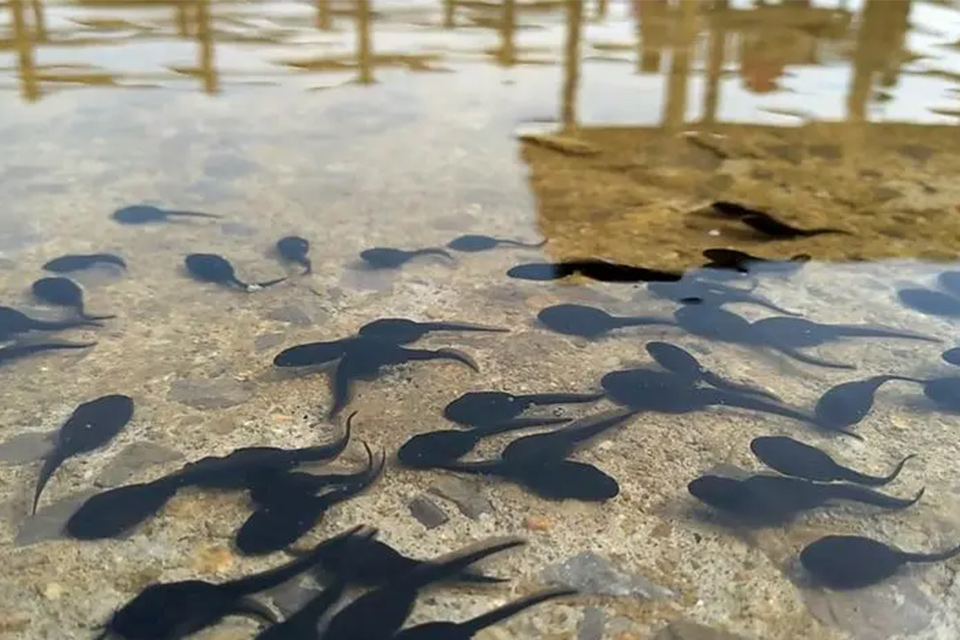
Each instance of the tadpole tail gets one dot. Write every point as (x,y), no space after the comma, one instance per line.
(443,354)
(526,245)
(341,388)
(767,304)
(479,467)
(819,231)
(452,564)
(461,326)
(89,320)
(802,357)
(251,608)
(273,577)
(723,384)
(639,321)
(432,251)
(192,214)
(756,404)
(311,353)
(19,351)
(875,481)
(561,398)
(878,332)
(930,557)
(44,325)
(869,496)
(50,464)
(328,451)
(484,430)
(592,426)
(257,286)
(475,577)
(484,620)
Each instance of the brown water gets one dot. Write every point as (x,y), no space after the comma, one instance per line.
(605,128)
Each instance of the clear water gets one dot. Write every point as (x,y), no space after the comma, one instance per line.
(604,128)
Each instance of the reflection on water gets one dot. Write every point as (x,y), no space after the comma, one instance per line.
(395,236)
(765,46)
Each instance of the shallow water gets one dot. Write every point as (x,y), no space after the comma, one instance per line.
(604,128)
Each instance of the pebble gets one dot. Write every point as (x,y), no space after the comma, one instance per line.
(427,512)
(292,314)
(48,522)
(26,447)
(592,625)
(466,495)
(134,457)
(53,591)
(210,394)
(592,574)
(898,608)
(534,523)
(687,630)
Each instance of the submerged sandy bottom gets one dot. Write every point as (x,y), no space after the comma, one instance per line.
(409,163)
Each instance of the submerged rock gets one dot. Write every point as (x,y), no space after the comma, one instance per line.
(466,495)
(592,625)
(48,522)
(686,630)
(891,609)
(133,458)
(427,512)
(26,447)
(593,574)
(210,394)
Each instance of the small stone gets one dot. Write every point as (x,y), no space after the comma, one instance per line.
(534,523)
(210,394)
(134,457)
(466,495)
(897,608)
(48,522)
(427,512)
(291,314)
(686,630)
(26,447)
(592,574)
(592,625)
(52,591)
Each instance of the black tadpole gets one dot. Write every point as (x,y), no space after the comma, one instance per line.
(295,249)
(209,267)
(793,458)
(473,243)
(391,258)
(70,263)
(63,292)
(853,562)
(144,214)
